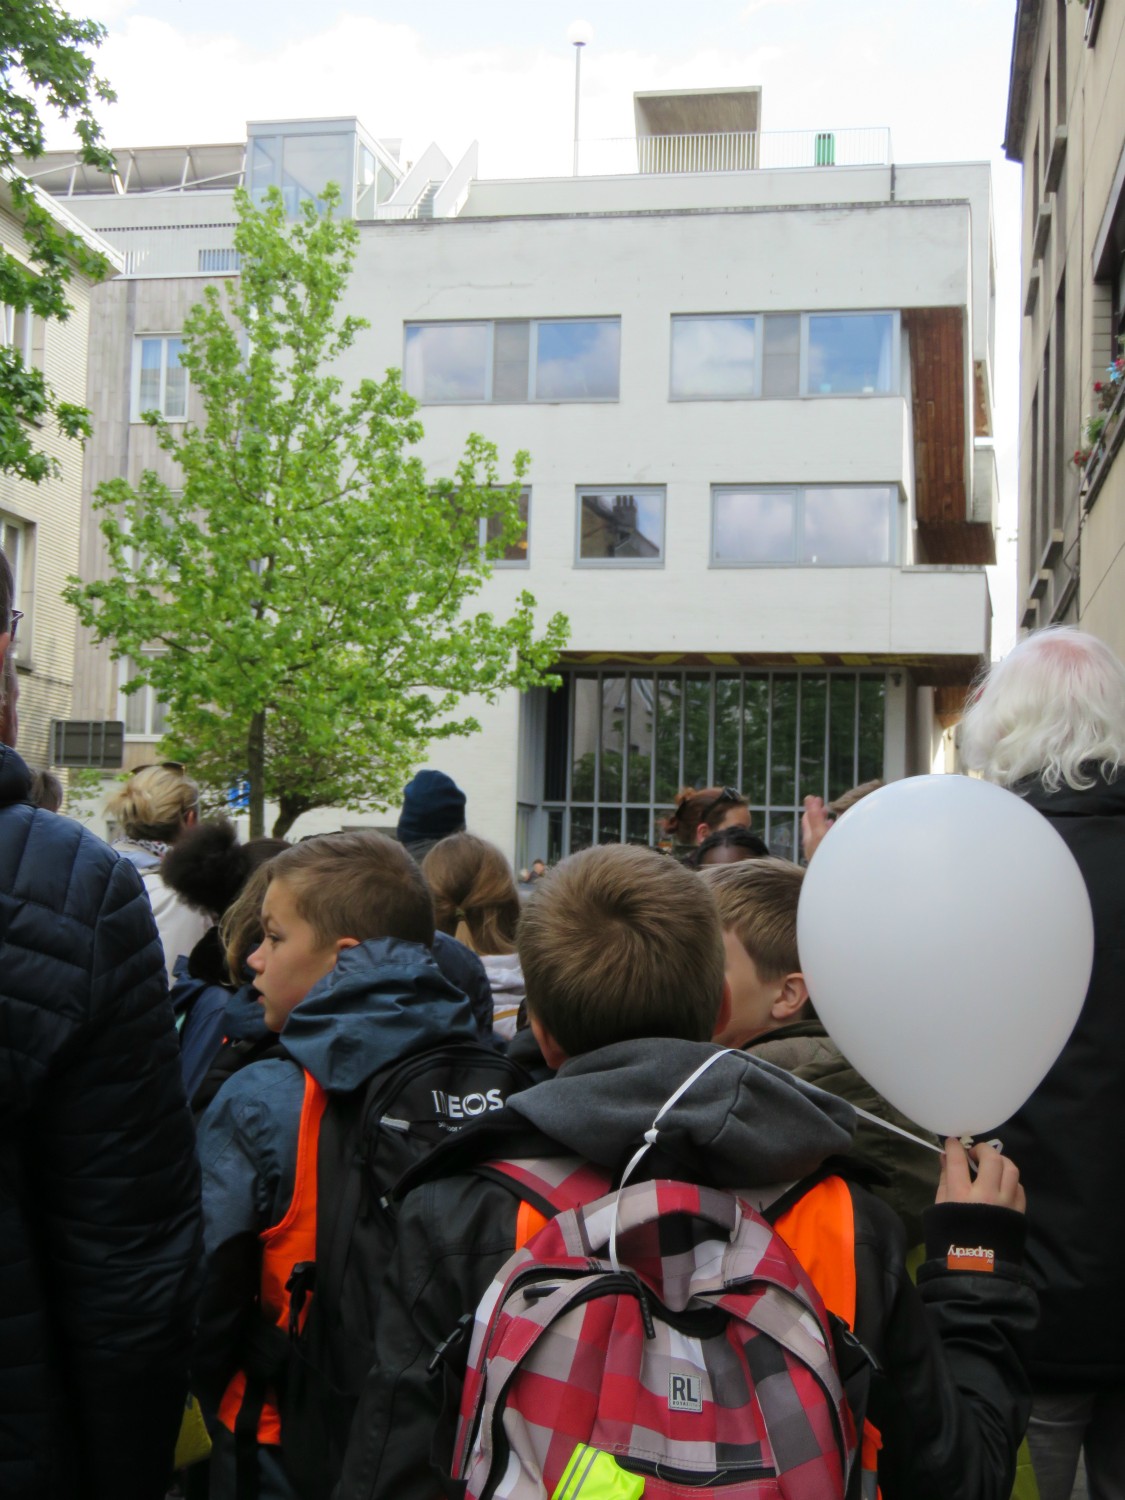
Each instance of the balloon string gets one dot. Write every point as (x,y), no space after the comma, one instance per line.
(898,1130)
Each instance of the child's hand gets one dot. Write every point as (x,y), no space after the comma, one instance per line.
(815,823)
(997,1180)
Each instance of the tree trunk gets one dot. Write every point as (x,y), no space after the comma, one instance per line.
(289,810)
(256,772)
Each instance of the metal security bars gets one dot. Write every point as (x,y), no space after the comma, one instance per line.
(620,744)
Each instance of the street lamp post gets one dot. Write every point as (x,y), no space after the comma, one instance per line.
(579,34)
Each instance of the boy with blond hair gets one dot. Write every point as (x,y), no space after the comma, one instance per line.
(345,974)
(623,955)
(773,1018)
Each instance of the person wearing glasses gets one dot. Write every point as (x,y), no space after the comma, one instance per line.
(100,1223)
(153,809)
(699,814)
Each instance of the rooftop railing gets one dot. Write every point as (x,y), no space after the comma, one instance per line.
(736,151)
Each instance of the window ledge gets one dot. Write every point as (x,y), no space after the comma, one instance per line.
(1042,230)
(1032,296)
(1056,159)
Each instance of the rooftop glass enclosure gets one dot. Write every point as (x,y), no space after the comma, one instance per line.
(300,157)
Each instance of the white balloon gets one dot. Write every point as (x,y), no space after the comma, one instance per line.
(946,936)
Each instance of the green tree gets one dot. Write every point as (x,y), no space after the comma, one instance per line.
(301,600)
(43,58)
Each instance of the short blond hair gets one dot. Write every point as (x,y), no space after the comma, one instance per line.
(619,943)
(757,901)
(154,802)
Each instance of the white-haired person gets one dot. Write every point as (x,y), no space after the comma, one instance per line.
(1048,722)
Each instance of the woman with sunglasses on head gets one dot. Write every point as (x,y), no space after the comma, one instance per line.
(699,814)
(153,808)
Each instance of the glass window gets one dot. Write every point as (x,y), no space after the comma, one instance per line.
(848,524)
(447,361)
(829,526)
(160,382)
(17,537)
(145,715)
(509,361)
(311,162)
(617,527)
(781,355)
(714,358)
(778,736)
(265,165)
(754,526)
(850,353)
(577,361)
(516,550)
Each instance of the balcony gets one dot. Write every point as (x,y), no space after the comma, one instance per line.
(735,151)
(175,249)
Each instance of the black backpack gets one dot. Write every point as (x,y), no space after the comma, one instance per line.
(368,1139)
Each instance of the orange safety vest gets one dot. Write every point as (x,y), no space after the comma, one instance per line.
(820,1230)
(291,1240)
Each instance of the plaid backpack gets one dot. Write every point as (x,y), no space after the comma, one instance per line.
(660,1339)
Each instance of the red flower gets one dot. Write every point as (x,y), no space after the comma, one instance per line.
(1098,385)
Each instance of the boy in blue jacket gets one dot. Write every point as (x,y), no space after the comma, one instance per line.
(345,973)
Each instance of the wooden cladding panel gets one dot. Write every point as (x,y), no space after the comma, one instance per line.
(937,367)
(970,543)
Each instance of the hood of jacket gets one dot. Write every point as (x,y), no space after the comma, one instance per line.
(751,1123)
(1105,799)
(384,1000)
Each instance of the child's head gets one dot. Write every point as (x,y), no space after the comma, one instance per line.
(475,898)
(757,903)
(618,943)
(697,814)
(727,847)
(327,894)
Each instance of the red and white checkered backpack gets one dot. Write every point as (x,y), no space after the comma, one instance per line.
(662,1333)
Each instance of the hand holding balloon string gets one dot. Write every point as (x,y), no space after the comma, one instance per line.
(997,1179)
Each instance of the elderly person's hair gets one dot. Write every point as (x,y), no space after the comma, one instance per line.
(153,803)
(46,791)
(1054,709)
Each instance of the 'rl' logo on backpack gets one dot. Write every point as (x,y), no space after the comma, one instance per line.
(696,1352)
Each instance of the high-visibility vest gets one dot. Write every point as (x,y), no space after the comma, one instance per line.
(290,1241)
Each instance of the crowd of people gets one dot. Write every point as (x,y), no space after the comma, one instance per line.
(358,1168)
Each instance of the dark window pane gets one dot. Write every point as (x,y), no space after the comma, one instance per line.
(783,740)
(516,550)
(618,527)
(609,825)
(848,524)
(755,731)
(636,826)
(814,716)
(511,342)
(670,689)
(781,370)
(558,743)
(728,719)
(755,526)
(872,710)
(841,736)
(577,361)
(584,750)
(554,835)
(581,828)
(713,358)
(850,353)
(613,738)
(697,730)
(641,717)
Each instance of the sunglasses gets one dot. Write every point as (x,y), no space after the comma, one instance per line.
(13,628)
(728,794)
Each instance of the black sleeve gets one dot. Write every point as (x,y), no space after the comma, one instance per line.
(953,1398)
(117,1173)
(453,1237)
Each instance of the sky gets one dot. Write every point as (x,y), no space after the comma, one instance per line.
(501,72)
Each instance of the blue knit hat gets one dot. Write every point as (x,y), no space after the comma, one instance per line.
(433,805)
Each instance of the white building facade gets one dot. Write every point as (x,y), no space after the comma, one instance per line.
(757,400)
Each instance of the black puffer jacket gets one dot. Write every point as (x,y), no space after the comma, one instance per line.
(99,1188)
(1069,1138)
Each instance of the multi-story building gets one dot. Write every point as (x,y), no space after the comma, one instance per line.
(1066,124)
(754,375)
(40,523)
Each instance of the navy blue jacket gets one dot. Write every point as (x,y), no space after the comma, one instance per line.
(99,1188)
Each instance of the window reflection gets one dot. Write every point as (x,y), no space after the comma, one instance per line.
(755,526)
(447,361)
(849,524)
(616,527)
(577,361)
(850,353)
(713,358)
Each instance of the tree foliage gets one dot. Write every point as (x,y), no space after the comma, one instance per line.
(44,58)
(306,588)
